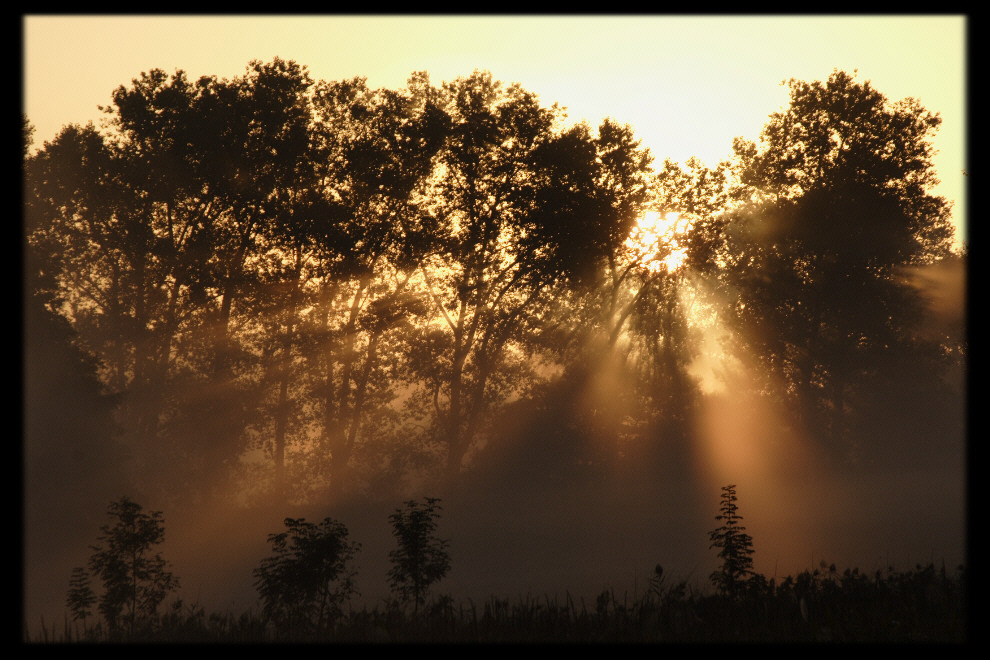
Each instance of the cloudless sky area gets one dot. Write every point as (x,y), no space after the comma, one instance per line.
(687,84)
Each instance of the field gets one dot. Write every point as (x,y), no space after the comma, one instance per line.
(923,605)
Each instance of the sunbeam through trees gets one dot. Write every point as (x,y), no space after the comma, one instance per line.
(273,295)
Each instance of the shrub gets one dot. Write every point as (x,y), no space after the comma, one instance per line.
(305,582)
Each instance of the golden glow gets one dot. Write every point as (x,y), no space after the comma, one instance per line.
(655,241)
(73,63)
(745,440)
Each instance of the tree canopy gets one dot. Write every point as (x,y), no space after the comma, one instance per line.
(307,287)
(834,206)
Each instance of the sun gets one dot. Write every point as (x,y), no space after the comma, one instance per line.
(656,242)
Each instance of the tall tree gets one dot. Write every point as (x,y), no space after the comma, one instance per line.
(595,189)
(213,160)
(148,233)
(485,272)
(372,148)
(835,202)
(610,233)
(80,250)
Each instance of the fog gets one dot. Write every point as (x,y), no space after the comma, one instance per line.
(523,523)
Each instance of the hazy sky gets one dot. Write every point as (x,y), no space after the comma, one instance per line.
(687,85)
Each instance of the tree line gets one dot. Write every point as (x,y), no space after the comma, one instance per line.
(318,287)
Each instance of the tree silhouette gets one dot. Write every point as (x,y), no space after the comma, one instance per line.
(518,207)
(597,188)
(480,283)
(421,558)
(351,284)
(836,203)
(149,235)
(80,597)
(306,581)
(373,148)
(134,581)
(734,544)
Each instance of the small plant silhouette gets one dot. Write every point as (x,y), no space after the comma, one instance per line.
(80,597)
(135,582)
(305,582)
(421,558)
(735,546)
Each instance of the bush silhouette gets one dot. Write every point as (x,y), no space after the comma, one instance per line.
(305,582)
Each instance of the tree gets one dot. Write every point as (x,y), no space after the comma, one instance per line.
(150,235)
(832,206)
(515,209)
(593,189)
(306,581)
(135,582)
(734,544)
(610,280)
(626,241)
(373,149)
(620,185)
(421,558)
(27,135)
(480,279)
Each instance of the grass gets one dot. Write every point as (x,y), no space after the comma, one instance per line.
(924,605)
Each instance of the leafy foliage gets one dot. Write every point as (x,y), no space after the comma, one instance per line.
(263,261)
(135,582)
(832,204)
(80,597)
(734,544)
(306,581)
(421,558)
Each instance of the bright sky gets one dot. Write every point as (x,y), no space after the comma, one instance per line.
(687,84)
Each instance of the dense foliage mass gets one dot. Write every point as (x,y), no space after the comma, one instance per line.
(299,288)
(834,209)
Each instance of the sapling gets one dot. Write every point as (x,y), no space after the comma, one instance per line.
(421,558)
(135,581)
(734,544)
